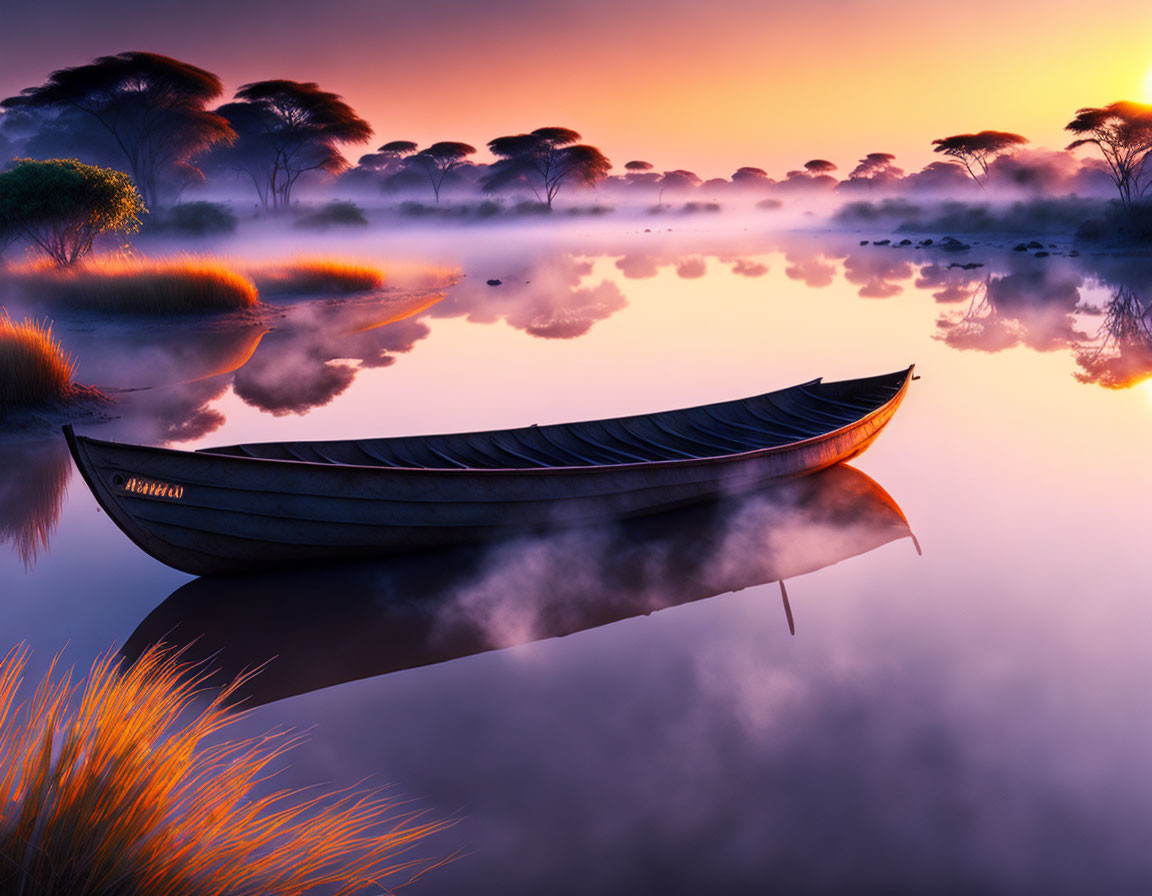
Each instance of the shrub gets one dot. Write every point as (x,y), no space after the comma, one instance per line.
(529,207)
(317,275)
(123,785)
(340,213)
(33,367)
(62,205)
(162,287)
(414,209)
(199,219)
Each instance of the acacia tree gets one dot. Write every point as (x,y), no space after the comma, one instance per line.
(977,151)
(1122,132)
(441,158)
(751,176)
(639,173)
(819,167)
(875,169)
(545,160)
(153,106)
(679,180)
(386,157)
(397,148)
(62,205)
(285,129)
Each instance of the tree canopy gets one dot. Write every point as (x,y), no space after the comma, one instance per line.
(818,167)
(398,148)
(155,108)
(749,175)
(62,205)
(1122,132)
(441,158)
(544,161)
(977,151)
(286,128)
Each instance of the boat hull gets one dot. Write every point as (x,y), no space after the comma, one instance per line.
(207,513)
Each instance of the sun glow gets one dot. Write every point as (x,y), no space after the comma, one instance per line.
(1147,92)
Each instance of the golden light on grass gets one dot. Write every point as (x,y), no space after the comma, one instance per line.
(306,276)
(118,285)
(122,784)
(33,367)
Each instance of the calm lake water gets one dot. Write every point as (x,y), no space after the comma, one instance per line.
(972,719)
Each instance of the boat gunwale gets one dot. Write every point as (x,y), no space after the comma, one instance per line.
(539,471)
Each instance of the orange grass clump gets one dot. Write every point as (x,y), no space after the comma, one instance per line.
(33,366)
(142,286)
(121,784)
(306,276)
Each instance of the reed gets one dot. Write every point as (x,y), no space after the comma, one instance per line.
(308,276)
(142,286)
(33,367)
(125,784)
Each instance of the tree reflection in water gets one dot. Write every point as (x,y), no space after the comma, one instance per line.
(1121,354)
(1035,309)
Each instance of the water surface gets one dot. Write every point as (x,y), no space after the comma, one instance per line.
(972,719)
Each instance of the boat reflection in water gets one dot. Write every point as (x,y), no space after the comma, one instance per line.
(315,628)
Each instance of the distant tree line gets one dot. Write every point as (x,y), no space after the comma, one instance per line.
(156,119)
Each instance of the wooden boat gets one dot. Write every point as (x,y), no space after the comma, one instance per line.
(316,628)
(263,506)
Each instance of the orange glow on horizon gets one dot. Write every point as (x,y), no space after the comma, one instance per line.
(770,85)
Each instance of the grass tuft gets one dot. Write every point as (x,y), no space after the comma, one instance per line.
(122,784)
(142,286)
(33,367)
(306,276)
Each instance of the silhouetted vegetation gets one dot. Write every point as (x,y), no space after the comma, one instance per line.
(439,159)
(875,171)
(1123,133)
(1039,216)
(977,151)
(544,161)
(286,128)
(1118,226)
(198,219)
(152,105)
(338,213)
(62,205)
(148,113)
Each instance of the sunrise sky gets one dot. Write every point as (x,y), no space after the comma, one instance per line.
(706,86)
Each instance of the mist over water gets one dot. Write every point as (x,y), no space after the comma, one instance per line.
(970,720)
